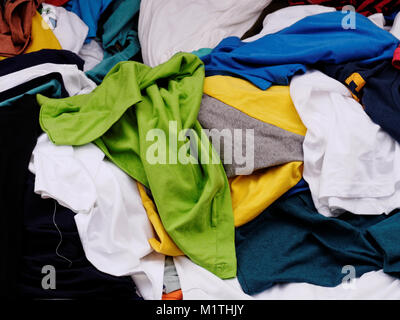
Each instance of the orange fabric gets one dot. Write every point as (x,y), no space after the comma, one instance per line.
(174,295)
(359,82)
(42,37)
(16,26)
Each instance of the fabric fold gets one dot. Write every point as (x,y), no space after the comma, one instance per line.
(134,102)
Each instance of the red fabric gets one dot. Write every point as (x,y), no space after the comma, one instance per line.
(365,7)
(58,3)
(396,58)
(16,26)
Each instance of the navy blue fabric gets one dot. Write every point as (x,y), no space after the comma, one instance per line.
(19,129)
(291,242)
(301,186)
(32,59)
(77,279)
(380,96)
(50,85)
(275,58)
(389,19)
(29,238)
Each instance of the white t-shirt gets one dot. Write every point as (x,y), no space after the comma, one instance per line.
(75,81)
(198,283)
(285,17)
(170,26)
(350,163)
(68,28)
(111,220)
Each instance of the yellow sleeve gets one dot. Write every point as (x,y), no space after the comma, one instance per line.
(273,106)
(163,243)
(252,194)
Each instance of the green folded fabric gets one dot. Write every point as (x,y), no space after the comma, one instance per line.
(193,199)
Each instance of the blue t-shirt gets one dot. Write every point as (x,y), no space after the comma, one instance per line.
(321,38)
(89,11)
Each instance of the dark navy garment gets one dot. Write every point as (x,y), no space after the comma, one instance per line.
(50,85)
(76,277)
(377,87)
(29,237)
(291,242)
(32,59)
(301,186)
(19,129)
(389,19)
(275,58)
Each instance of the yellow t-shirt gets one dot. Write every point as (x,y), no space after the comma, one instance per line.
(273,106)
(252,194)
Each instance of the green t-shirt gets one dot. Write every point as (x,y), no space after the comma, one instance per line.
(125,116)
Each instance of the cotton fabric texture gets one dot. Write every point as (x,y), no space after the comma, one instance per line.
(349,162)
(89,11)
(318,38)
(16,26)
(119,37)
(170,26)
(292,242)
(69,29)
(76,277)
(112,223)
(196,208)
(376,87)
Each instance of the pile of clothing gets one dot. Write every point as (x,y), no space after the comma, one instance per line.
(181,149)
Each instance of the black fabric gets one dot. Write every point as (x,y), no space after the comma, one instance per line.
(77,279)
(19,129)
(380,95)
(28,60)
(34,83)
(29,238)
(256,28)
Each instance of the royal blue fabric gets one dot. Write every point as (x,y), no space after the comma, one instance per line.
(89,11)
(301,186)
(275,58)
